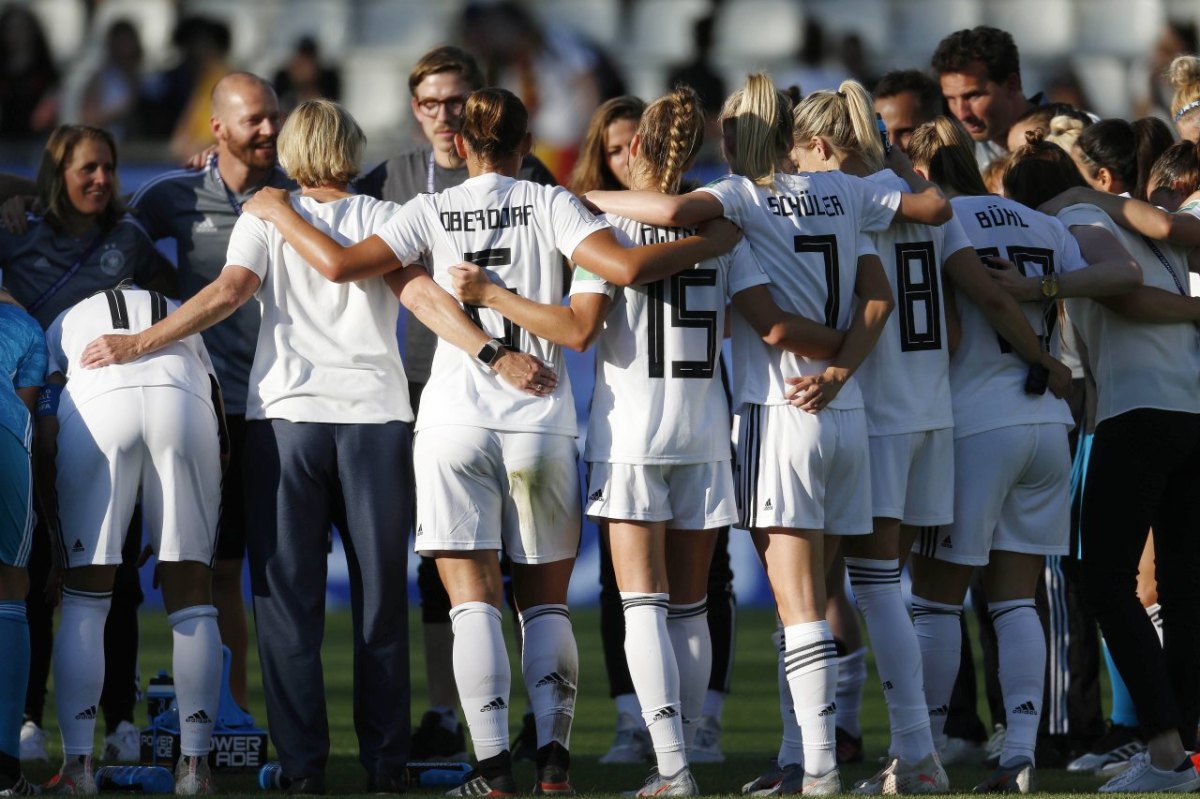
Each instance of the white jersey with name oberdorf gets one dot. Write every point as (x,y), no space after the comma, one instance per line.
(905,380)
(327,352)
(181,364)
(987,378)
(658,395)
(1136,364)
(807,235)
(518,231)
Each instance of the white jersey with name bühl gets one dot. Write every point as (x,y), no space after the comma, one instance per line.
(326,351)
(987,378)
(806,235)
(658,397)
(1138,365)
(905,380)
(182,364)
(518,231)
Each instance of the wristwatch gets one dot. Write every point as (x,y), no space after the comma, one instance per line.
(489,352)
(1050,286)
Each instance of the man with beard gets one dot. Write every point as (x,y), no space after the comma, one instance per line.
(440,83)
(198,210)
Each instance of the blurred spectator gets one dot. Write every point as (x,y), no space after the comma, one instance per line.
(817,67)
(857,60)
(113,92)
(906,99)
(303,77)
(1177,38)
(1184,74)
(178,100)
(700,74)
(560,76)
(28,76)
(1064,86)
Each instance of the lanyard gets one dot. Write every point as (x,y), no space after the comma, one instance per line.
(429,187)
(1166,265)
(70,273)
(229,195)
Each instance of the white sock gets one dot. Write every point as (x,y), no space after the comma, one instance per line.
(688,627)
(852,678)
(939,633)
(714,704)
(79,667)
(550,665)
(1154,611)
(810,661)
(483,676)
(876,586)
(1021,644)
(791,745)
(655,676)
(196,659)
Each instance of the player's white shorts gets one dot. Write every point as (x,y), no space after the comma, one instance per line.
(691,496)
(478,489)
(1012,492)
(802,470)
(912,477)
(160,438)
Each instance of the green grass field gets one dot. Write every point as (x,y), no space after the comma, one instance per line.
(751,719)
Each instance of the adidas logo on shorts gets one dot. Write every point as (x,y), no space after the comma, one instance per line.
(665,713)
(86,715)
(420,530)
(946,543)
(887,685)
(77,546)
(828,710)
(596,496)
(495,704)
(553,678)
(767,505)
(199,717)
(1025,708)
(941,710)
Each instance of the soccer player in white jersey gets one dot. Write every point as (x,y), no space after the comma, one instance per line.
(799,474)
(151,424)
(1144,351)
(1012,464)
(494,465)
(658,476)
(906,393)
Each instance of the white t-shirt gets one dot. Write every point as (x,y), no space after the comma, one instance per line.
(905,380)
(987,378)
(327,351)
(807,236)
(1138,365)
(518,231)
(182,364)
(658,395)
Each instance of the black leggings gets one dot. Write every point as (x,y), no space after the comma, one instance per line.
(1144,473)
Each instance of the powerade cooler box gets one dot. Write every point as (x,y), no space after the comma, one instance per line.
(237,744)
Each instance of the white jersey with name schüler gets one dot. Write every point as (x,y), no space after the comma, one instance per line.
(905,380)
(659,397)
(806,232)
(518,232)
(182,364)
(987,378)
(1137,364)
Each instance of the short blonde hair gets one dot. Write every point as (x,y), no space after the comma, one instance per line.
(321,144)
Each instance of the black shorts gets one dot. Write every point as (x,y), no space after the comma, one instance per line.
(231,529)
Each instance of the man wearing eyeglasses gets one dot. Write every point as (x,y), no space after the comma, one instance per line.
(440,83)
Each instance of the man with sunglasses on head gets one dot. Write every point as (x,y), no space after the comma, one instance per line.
(440,83)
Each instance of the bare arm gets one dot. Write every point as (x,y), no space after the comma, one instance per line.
(214,303)
(971,277)
(875,303)
(602,254)
(575,325)
(1135,215)
(368,258)
(656,208)
(796,334)
(438,311)
(1154,306)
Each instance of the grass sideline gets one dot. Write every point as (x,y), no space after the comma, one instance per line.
(750,735)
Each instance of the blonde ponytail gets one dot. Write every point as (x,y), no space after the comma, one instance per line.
(761,119)
(947,153)
(845,119)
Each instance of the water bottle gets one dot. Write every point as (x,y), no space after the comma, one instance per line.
(270,777)
(437,774)
(135,779)
(159,695)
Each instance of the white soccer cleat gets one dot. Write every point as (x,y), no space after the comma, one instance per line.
(706,745)
(75,778)
(33,743)
(631,744)
(193,777)
(681,783)
(123,745)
